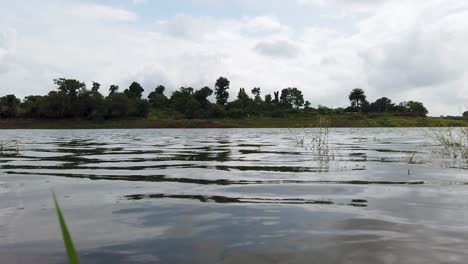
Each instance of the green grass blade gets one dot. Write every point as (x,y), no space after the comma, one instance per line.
(71,252)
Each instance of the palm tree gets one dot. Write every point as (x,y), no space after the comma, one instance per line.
(357,97)
(113,89)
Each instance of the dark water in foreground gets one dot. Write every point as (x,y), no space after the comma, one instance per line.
(232,196)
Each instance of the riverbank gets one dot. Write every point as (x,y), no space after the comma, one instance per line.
(263,122)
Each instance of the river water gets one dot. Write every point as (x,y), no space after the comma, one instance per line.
(379,195)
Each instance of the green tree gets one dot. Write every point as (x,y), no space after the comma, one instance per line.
(382,105)
(160,89)
(32,106)
(365,106)
(276,100)
(118,105)
(221,90)
(416,108)
(157,97)
(139,108)
(193,108)
(134,90)
(56,105)
(9,105)
(180,98)
(202,96)
(257,105)
(113,89)
(243,99)
(217,111)
(257,97)
(89,104)
(357,97)
(70,87)
(95,87)
(291,97)
(65,101)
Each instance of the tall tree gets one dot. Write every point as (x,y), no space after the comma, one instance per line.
(180,99)
(257,97)
(221,90)
(276,100)
(382,105)
(32,106)
(70,87)
(160,89)
(157,97)
(95,87)
(416,108)
(291,97)
(57,105)
(357,97)
(243,99)
(118,106)
(113,89)
(9,106)
(202,96)
(134,90)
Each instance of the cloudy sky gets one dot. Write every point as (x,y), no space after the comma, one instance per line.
(405,50)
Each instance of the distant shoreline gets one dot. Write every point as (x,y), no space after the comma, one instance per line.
(257,122)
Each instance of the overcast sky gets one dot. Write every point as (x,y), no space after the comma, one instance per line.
(404,50)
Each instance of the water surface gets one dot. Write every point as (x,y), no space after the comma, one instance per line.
(232,196)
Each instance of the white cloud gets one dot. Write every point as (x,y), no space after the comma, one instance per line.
(403,50)
(103,12)
(264,24)
(419,47)
(7,47)
(277,49)
(346,7)
(185,26)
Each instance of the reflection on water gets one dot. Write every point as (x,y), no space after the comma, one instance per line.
(232,195)
(224,199)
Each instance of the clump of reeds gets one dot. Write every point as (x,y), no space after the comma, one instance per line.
(316,140)
(9,148)
(453,142)
(410,157)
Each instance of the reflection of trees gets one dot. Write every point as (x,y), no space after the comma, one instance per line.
(223,156)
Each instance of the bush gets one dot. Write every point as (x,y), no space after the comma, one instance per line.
(236,113)
(278,113)
(141,108)
(217,111)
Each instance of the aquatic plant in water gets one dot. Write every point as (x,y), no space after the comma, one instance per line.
(316,140)
(453,143)
(9,148)
(70,248)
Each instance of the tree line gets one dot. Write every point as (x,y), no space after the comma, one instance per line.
(72,99)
